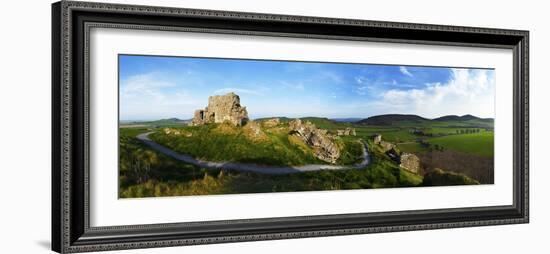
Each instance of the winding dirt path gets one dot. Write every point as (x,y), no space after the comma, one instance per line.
(248,167)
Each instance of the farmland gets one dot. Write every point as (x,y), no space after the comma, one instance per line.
(450,151)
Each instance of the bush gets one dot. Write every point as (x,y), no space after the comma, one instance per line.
(439,177)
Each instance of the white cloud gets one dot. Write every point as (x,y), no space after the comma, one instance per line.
(404,70)
(332,76)
(148,97)
(360,80)
(363,90)
(467,92)
(363,85)
(366,86)
(293,85)
(143,85)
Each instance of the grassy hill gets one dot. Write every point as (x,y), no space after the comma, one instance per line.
(146,173)
(321,122)
(265,145)
(452,151)
(392,119)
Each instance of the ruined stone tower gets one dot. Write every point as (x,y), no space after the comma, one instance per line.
(220,109)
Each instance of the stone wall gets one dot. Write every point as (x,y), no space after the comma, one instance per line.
(221,109)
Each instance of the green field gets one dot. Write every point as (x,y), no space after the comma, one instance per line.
(447,157)
(476,143)
(412,147)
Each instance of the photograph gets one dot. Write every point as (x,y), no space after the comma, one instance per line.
(207,126)
(213,126)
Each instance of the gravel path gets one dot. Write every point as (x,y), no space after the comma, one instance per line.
(248,167)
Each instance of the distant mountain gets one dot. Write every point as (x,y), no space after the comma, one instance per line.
(397,119)
(288,119)
(390,119)
(161,122)
(281,118)
(314,118)
(170,121)
(450,118)
(346,120)
(394,119)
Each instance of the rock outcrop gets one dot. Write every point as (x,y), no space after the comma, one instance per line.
(323,144)
(377,139)
(220,109)
(409,162)
(252,131)
(271,122)
(346,132)
(386,146)
(177,132)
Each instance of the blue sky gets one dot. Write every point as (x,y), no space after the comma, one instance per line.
(153,87)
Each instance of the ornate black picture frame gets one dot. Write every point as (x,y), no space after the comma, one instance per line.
(71,231)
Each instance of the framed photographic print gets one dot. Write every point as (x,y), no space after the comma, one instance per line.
(181,126)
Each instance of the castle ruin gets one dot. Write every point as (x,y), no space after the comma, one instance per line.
(220,109)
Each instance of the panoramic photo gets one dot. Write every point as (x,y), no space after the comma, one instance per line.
(206,126)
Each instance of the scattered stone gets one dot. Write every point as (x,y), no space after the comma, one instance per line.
(346,132)
(386,146)
(377,139)
(254,131)
(220,109)
(409,162)
(323,144)
(171,131)
(255,127)
(272,122)
(394,155)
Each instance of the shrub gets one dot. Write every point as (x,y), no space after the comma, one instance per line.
(439,177)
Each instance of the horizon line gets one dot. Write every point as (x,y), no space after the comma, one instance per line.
(256,118)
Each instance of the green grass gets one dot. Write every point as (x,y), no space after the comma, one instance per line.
(411,147)
(440,131)
(224,143)
(147,173)
(351,152)
(144,172)
(388,134)
(387,172)
(131,132)
(325,123)
(139,164)
(380,174)
(232,144)
(481,143)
